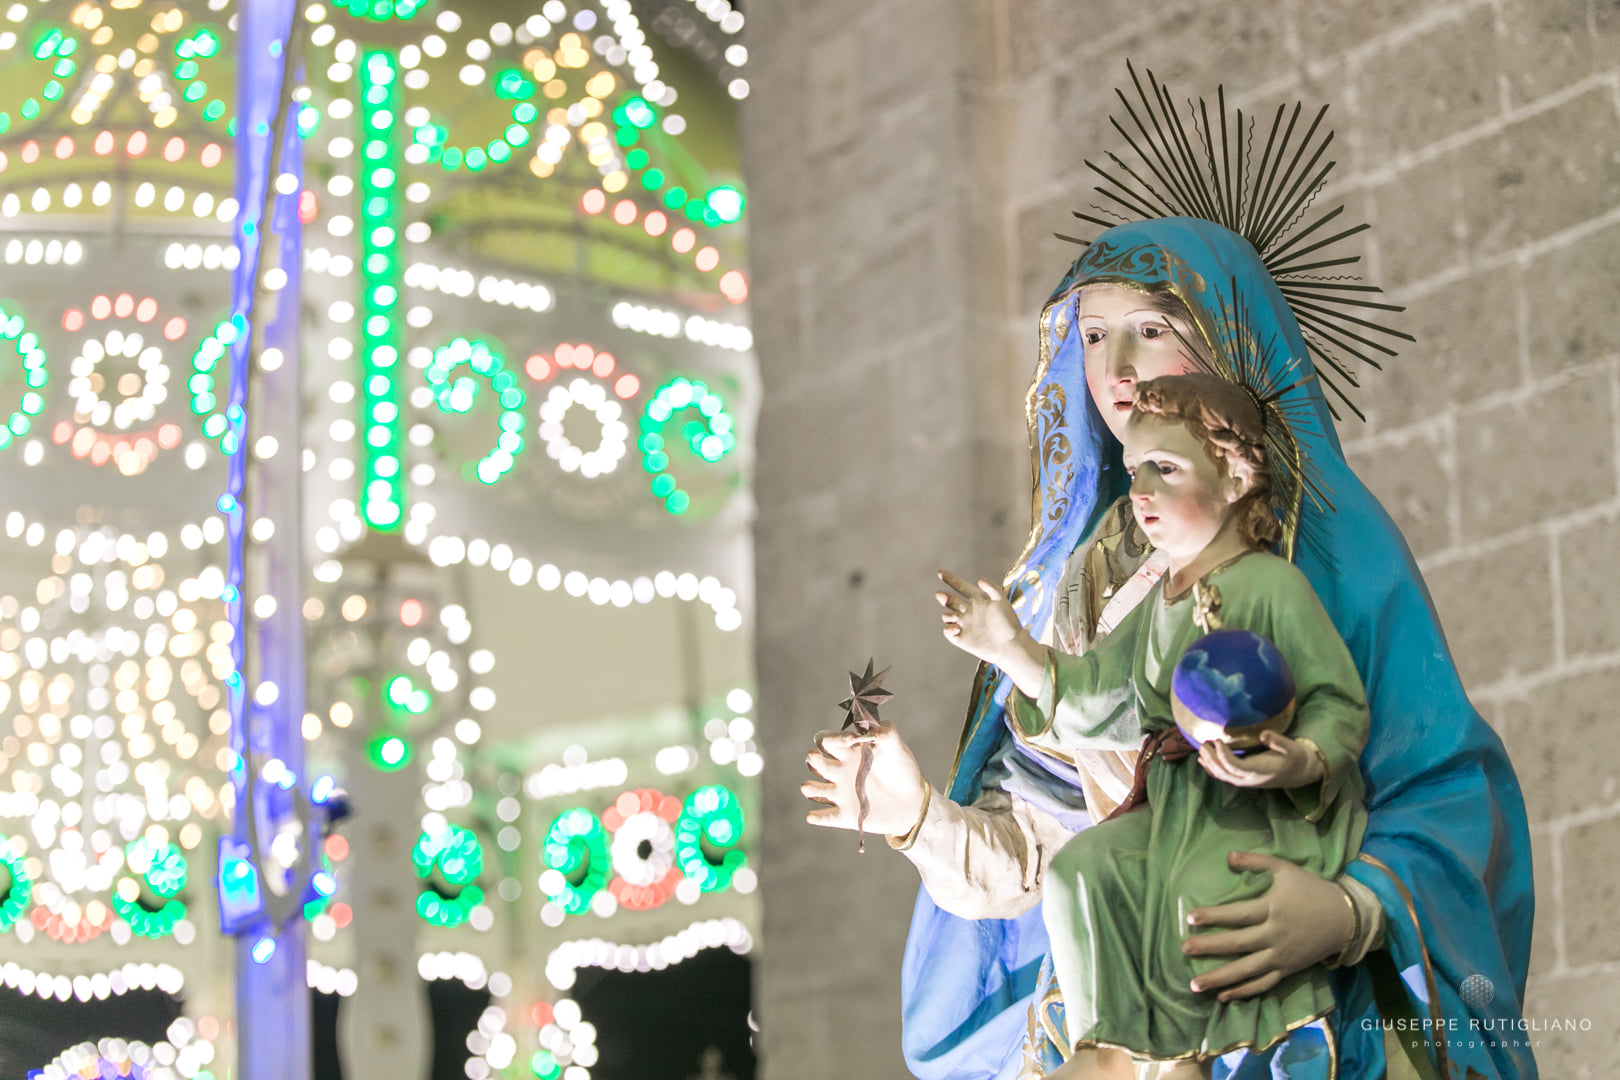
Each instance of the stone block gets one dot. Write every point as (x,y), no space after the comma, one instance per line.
(831,425)
(1042,257)
(1589,907)
(896,179)
(1550,736)
(1414,479)
(1238,45)
(1585,1044)
(814,19)
(1446,76)
(1059,33)
(1467,348)
(832,90)
(1418,226)
(1543,46)
(1605,23)
(1544,173)
(1586,556)
(1591,601)
(1544,938)
(1569,291)
(1078,106)
(1330,28)
(1512,458)
(901,45)
(1496,610)
(895,289)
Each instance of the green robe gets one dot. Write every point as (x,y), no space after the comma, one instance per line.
(1117,896)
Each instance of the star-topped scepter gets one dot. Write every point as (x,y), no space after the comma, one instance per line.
(866,693)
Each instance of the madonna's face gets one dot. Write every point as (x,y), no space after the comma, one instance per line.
(1128,338)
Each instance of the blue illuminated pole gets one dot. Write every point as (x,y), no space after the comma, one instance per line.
(266,861)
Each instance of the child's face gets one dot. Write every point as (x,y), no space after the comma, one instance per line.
(1179,495)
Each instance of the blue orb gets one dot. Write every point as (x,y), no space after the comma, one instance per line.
(1230,685)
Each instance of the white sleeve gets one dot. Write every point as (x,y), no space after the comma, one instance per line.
(986,860)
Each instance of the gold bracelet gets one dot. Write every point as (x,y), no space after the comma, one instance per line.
(1355,925)
(909,837)
(1321,758)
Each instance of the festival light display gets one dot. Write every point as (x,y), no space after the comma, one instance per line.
(120,648)
(137,660)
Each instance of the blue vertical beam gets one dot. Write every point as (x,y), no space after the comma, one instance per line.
(272,996)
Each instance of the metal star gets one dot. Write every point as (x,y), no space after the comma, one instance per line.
(866,693)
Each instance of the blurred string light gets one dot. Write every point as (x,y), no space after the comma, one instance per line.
(565,960)
(711,819)
(130,631)
(194,256)
(326,979)
(506,84)
(382,333)
(106,144)
(50,252)
(731,742)
(553,109)
(530,296)
(708,435)
(25,346)
(669,324)
(492,1049)
(643,848)
(595,400)
(146,196)
(733,284)
(693,848)
(456,394)
(99,986)
(583,358)
(191,53)
(380,10)
(575,775)
(448,550)
(107,403)
(188,1058)
(575,856)
(457,856)
(19,886)
(162,868)
(720,11)
(567,1042)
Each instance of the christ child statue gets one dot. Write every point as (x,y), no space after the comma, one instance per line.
(1117,896)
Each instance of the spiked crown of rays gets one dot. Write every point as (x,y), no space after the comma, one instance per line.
(1212,174)
(1295,482)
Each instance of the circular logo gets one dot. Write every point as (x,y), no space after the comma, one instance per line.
(1477,991)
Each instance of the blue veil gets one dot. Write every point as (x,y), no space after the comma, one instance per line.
(1447,849)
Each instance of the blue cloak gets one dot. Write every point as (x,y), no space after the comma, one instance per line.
(1447,849)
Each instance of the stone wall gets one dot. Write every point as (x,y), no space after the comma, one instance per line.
(909,161)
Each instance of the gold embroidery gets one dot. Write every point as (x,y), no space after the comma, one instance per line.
(1436,1017)
(1059,1038)
(1210,1055)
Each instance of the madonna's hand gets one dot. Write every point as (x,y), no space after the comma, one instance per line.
(894,787)
(1301,920)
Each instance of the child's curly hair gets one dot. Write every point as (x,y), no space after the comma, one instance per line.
(1221,415)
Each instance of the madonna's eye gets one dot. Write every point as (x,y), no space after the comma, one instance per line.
(1153,332)
(1092,337)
